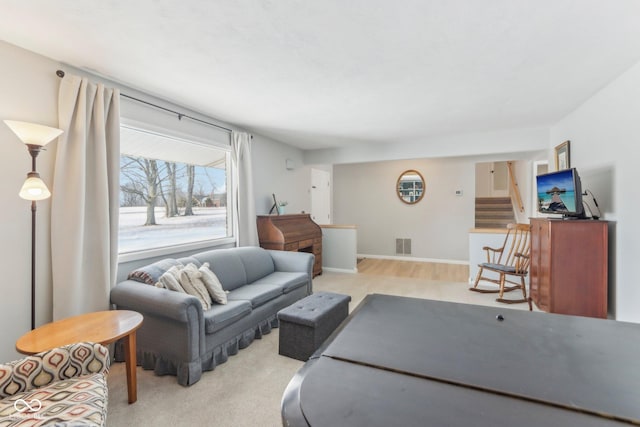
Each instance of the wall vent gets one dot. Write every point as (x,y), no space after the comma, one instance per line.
(403,246)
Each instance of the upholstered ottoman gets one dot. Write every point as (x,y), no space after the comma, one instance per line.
(305,324)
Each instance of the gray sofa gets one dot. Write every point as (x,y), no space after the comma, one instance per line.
(179,338)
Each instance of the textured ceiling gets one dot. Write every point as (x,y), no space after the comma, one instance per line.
(329,73)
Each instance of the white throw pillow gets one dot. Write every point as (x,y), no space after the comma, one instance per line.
(170,279)
(213,284)
(190,279)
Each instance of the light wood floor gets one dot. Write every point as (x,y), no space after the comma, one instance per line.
(414,269)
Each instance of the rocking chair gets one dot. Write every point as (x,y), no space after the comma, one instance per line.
(512,260)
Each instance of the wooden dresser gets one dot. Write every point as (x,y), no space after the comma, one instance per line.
(295,232)
(568,273)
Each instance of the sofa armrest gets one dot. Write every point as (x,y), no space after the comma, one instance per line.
(292,261)
(60,363)
(145,298)
(173,326)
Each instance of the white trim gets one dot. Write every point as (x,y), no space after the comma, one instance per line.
(408,258)
(340,270)
(173,249)
(182,137)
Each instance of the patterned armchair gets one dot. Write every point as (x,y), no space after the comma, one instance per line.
(66,386)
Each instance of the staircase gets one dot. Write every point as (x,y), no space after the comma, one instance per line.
(494,212)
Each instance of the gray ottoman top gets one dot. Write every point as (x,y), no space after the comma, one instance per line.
(310,311)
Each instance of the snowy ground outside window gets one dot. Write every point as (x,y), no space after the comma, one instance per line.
(206,223)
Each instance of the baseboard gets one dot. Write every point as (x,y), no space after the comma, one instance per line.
(340,270)
(410,258)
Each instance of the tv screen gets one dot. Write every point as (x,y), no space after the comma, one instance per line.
(560,193)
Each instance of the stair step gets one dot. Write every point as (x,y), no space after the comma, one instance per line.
(493,212)
(494,208)
(500,200)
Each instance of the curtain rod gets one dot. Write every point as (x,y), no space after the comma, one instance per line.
(60,74)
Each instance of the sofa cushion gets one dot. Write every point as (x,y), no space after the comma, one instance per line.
(219,316)
(227,266)
(256,294)
(214,287)
(288,281)
(257,262)
(150,274)
(189,260)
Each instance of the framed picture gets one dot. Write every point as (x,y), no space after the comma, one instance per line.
(274,207)
(563,161)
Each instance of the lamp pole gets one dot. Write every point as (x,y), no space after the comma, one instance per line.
(33,264)
(34,150)
(34,136)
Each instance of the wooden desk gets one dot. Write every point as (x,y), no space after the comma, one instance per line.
(103,327)
(295,232)
(408,361)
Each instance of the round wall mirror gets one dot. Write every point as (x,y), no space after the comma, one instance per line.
(410,186)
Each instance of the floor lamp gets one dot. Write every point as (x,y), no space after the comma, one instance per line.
(34,137)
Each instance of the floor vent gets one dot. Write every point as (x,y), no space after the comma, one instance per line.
(403,246)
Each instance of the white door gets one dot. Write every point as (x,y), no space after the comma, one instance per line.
(320,196)
(499,179)
(492,179)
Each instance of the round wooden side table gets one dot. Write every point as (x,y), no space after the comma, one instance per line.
(103,327)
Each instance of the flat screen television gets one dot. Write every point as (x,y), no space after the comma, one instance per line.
(560,192)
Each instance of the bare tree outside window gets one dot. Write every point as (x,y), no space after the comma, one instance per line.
(164,202)
(141,180)
(188,207)
(172,201)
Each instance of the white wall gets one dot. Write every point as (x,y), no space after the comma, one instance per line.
(365,195)
(339,248)
(29,88)
(604,134)
(508,144)
(270,176)
(523,172)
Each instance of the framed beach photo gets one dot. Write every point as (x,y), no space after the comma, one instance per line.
(563,160)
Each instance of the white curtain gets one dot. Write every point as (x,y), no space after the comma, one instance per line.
(85,197)
(244,222)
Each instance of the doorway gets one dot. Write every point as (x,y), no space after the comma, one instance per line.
(492,179)
(320,196)
(539,167)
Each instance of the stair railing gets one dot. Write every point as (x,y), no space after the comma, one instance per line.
(515,190)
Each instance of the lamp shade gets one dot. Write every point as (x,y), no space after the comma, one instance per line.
(34,188)
(33,134)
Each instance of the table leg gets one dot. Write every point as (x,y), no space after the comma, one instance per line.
(130,362)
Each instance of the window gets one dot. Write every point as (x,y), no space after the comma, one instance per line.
(172,191)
